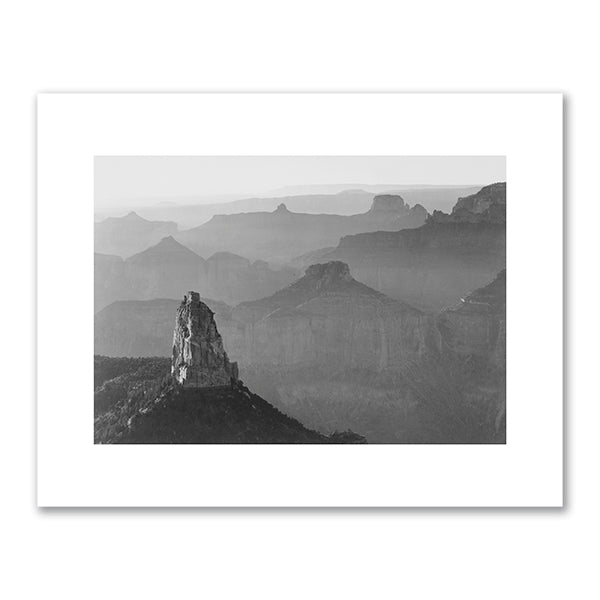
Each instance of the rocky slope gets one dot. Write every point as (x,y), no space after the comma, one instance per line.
(488,205)
(329,321)
(201,401)
(167,414)
(281,235)
(124,236)
(334,353)
(433,266)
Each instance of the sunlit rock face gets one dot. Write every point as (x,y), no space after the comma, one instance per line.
(199,359)
(144,327)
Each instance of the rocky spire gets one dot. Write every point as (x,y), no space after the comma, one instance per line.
(199,359)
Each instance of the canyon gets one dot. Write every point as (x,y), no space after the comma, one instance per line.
(336,354)
(398,332)
(168,269)
(125,236)
(433,266)
(281,235)
(201,401)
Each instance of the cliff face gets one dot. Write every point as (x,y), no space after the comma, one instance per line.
(329,351)
(199,359)
(476,326)
(330,322)
(488,205)
(326,320)
(433,266)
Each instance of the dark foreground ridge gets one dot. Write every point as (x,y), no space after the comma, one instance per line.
(164,412)
(202,401)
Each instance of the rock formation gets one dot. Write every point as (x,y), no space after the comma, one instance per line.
(282,235)
(199,359)
(388,203)
(433,266)
(144,327)
(488,205)
(328,321)
(476,326)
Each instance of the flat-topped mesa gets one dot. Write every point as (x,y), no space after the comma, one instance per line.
(326,273)
(199,359)
(388,203)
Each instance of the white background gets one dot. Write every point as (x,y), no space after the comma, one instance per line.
(524,128)
(429,46)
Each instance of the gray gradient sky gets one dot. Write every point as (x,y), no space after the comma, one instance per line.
(127,179)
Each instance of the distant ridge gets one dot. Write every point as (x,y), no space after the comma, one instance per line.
(280,235)
(351,199)
(127,235)
(433,266)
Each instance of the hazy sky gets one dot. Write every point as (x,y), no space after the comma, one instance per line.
(119,179)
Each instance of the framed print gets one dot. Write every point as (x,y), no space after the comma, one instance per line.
(337,300)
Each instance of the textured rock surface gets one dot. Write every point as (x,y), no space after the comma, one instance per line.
(143,327)
(199,359)
(488,205)
(141,405)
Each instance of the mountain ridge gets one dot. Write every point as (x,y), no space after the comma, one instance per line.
(280,235)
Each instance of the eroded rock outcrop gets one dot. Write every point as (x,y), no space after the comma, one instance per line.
(488,205)
(144,327)
(476,326)
(199,359)
(433,266)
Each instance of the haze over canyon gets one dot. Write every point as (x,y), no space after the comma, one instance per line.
(384,325)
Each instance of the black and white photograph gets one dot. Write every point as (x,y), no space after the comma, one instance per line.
(300,300)
(331,298)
